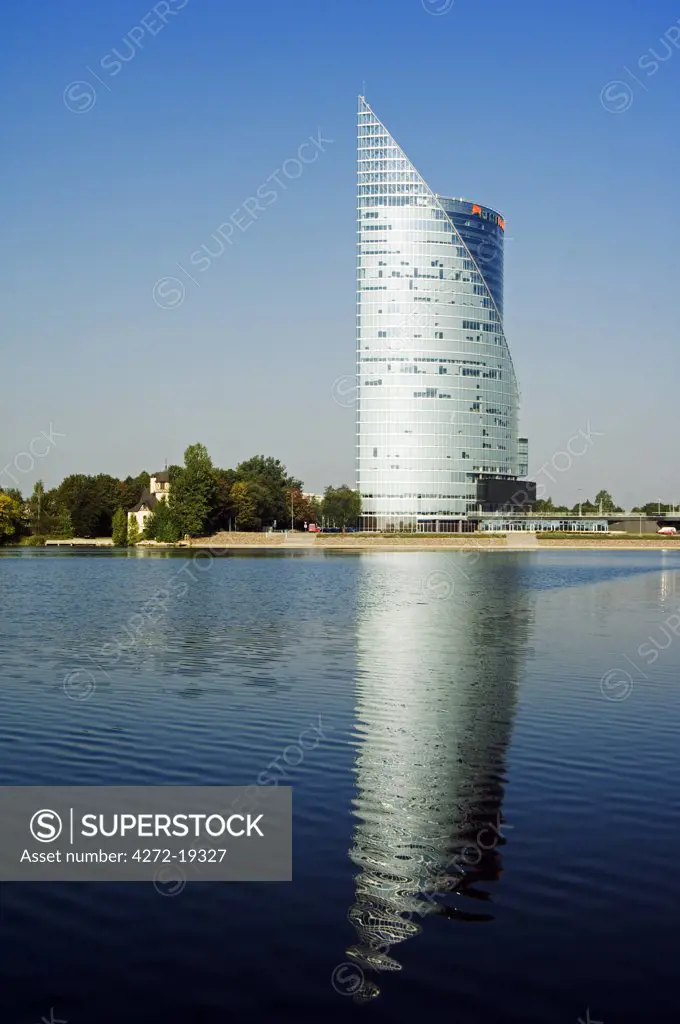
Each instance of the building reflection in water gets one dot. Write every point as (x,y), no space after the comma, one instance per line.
(438,659)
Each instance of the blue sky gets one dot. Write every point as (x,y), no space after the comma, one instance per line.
(108,184)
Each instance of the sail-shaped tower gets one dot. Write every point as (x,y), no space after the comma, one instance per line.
(438,401)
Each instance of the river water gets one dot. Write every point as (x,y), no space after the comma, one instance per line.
(483,750)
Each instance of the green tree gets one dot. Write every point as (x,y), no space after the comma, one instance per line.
(312,510)
(653,508)
(604,501)
(47,517)
(162,524)
(37,509)
(105,492)
(120,528)
(22,520)
(269,484)
(544,505)
(341,506)
(584,508)
(133,535)
(222,510)
(130,489)
(192,492)
(72,494)
(10,516)
(245,510)
(63,527)
(84,498)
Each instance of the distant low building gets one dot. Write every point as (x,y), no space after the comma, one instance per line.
(158,490)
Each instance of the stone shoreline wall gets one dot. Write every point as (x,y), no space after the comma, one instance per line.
(363,541)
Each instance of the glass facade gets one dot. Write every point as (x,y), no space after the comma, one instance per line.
(437,395)
(545,525)
(523,452)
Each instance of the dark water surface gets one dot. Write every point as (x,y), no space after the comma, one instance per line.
(486,828)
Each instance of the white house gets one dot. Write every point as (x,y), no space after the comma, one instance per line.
(158,490)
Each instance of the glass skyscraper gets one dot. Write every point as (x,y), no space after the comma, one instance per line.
(438,402)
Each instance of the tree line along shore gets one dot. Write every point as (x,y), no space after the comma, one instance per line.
(202,500)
